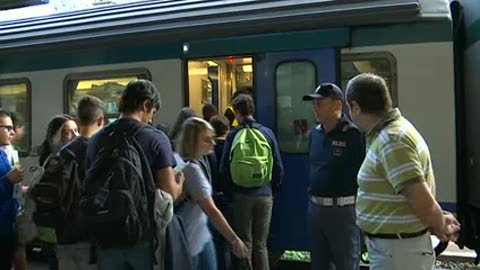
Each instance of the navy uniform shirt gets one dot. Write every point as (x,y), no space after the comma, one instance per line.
(335,158)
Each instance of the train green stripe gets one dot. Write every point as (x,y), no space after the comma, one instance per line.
(64,56)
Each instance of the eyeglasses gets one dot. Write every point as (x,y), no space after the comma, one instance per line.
(9,128)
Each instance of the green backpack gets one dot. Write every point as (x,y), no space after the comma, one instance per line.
(251,159)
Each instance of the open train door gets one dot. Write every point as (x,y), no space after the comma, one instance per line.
(281,80)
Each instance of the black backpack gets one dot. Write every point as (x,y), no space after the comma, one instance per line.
(117,196)
(56,189)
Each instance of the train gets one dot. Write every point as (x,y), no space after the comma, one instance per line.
(202,51)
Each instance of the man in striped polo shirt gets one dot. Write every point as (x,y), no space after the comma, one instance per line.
(395,205)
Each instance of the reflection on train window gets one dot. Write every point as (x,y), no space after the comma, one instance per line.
(294,116)
(380,63)
(107,87)
(15,98)
(214,80)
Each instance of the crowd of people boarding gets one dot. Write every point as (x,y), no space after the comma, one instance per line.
(125,195)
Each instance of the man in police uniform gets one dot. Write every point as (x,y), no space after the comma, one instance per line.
(337,150)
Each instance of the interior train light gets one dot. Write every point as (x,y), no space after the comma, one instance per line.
(247,68)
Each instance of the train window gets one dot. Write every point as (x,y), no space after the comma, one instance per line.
(107,86)
(293,80)
(15,97)
(380,63)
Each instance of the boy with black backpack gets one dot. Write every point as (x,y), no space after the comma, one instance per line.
(126,162)
(252,164)
(73,248)
(57,194)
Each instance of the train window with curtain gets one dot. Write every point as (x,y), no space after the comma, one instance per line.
(380,63)
(15,98)
(294,116)
(106,85)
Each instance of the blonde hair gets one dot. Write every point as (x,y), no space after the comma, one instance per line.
(58,138)
(189,138)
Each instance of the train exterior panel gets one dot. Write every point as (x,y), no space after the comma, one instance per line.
(425,96)
(48,89)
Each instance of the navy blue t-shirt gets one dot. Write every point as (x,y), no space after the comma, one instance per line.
(335,158)
(155,144)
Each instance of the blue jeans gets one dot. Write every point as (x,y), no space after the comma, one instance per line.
(75,256)
(206,259)
(138,257)
(334,237)
(222,246)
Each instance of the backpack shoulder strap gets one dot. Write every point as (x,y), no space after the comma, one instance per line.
(132,134)
(68,151)
(236,139)
(38,171)
(45,162)
(256,125)
(250,123)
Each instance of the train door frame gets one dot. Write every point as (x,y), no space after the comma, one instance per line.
(221,93)
(289,233)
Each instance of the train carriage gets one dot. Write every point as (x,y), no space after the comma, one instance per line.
(199,51)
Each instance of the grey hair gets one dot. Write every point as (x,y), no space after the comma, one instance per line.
(189,138)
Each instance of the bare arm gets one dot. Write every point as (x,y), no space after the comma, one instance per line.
(165,180)
(425,206)
(221,224)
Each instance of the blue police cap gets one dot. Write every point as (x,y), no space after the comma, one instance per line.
(325,90)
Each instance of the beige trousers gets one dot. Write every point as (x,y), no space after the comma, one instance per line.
(401,254)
